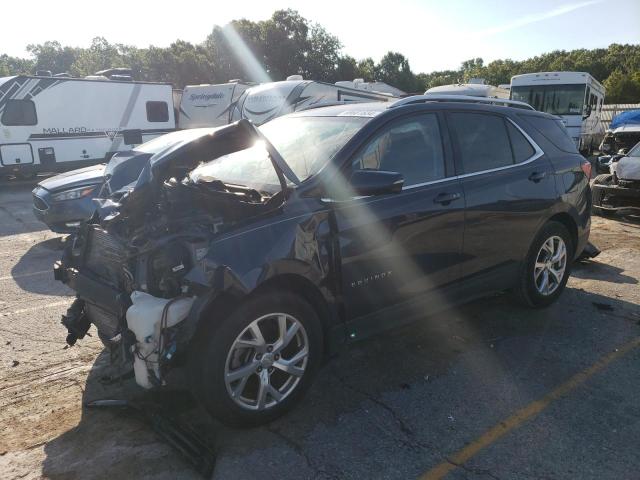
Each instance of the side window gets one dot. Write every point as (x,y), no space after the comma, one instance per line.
(19,113)
(553,130)
(522,149)
(482,140)
(410,146)
(157,112)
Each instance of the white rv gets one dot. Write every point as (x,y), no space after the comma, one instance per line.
(209,105)
(379,87)
(576,97)
(470,89)
(54,124)
(269,100)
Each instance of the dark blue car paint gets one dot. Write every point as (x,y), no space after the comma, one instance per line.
(404,257)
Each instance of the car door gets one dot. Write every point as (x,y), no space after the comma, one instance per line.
(508,186)
(395,247)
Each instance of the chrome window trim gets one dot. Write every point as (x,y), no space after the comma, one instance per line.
(538,152)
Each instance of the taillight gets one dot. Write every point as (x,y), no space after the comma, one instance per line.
(586,168)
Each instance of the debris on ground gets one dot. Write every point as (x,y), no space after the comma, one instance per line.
(159,414)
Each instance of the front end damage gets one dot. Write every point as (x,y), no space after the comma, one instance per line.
(619,192)
(139,268)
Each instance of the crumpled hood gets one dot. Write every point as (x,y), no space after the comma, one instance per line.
(75,178)
(177,160)
(627,168)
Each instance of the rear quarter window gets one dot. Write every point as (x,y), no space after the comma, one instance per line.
(553,130)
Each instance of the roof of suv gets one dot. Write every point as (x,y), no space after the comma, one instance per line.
(373,109)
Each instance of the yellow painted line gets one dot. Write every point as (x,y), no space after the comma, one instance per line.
(525,413)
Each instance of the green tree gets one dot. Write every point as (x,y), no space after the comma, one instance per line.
(394,69)
(367,70)
(623,88)
(53,56)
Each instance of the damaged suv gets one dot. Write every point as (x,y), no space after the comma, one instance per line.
(247,255)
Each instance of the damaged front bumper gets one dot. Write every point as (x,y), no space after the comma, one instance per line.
(617,198)
(139,329)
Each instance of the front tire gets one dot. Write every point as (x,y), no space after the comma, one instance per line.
(547,266)
(257,363)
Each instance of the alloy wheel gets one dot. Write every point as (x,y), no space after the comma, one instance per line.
(550,266)
(266,361)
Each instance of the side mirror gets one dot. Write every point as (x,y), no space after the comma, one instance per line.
(376,182)
(587,111)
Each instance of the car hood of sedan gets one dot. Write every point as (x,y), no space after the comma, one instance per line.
(75,178)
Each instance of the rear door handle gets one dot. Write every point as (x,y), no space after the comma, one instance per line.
(535,177)
(446,198)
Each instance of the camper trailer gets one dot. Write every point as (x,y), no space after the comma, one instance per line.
(379,87)
(576,97)
(209,105)
(470,89)
(50,124)
(269,100)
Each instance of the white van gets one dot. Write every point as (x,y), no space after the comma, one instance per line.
(576,97)
(50,124)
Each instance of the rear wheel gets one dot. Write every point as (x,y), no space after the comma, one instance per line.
(257,363)
(546,269)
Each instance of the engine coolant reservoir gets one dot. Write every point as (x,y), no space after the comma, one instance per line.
(143,319)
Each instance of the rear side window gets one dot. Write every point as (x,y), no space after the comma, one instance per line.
(157,112)
(19,112)
(411,146)
(522,149)
(554,131)
(482,140)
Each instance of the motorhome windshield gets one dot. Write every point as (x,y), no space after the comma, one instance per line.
(553,99)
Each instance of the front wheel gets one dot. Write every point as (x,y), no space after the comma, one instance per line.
(546,269)
(257,363)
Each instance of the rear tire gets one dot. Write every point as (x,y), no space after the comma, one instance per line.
(546,260)
(234,347)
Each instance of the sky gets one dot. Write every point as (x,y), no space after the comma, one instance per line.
(432,34)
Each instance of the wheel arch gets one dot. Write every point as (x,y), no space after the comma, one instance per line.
(224,303)
(570,224)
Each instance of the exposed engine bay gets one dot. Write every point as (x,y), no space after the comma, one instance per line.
(129,264)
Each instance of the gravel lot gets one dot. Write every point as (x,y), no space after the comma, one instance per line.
(488,390)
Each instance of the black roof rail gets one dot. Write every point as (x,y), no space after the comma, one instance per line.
(432,97)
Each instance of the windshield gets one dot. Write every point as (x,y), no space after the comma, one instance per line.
(305,143)
(553,99)
(635,151)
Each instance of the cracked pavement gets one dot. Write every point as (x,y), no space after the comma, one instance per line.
(390,407)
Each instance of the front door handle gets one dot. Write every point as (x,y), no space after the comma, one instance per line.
(446,198)
(535,177)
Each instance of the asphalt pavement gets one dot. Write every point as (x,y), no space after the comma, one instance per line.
(487,390)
